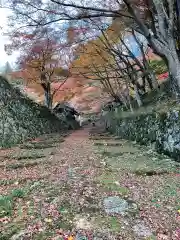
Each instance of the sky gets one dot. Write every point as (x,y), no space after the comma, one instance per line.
(133,46)
(3,40)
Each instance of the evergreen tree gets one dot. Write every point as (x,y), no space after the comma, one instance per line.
(7,68)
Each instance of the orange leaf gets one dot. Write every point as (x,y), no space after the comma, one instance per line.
(70,238)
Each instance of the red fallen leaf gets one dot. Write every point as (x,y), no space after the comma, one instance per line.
(163,76)
(85,172)
(65,237)
(177,234)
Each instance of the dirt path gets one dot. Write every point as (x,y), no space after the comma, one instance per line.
(84,187)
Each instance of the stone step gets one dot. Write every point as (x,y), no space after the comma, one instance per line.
(99,134)
(108,144)
(105,138)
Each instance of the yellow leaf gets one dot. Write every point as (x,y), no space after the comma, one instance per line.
(48,220)
(179,211)
(70,238)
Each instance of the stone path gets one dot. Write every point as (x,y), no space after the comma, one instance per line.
(88,185)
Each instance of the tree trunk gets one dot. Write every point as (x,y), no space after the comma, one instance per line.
(47,100)
(129,101)
(149,83)
(174,69)
(137,96)
(48,97)
(152,78)
(144,84)
(172,61)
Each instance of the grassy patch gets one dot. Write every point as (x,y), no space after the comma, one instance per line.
(65,224)
(18,193)
(114,224)
(96,138)
(27,155)
(108,182)
(151,238)
(6,205)
(99,144)
(115,188)
(170,192)
(107,144)
(50,141)
(37,146)
(5,182)
(44,235)
(11,231)
(67,212)
(111,223)
(111,154)
(21,165)
(35,185)
(146,172)
(139,161)
(7,201)
(106,178)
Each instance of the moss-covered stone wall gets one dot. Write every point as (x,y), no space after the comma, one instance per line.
(162,130)
(22,119)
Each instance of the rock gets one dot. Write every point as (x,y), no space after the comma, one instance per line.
(82,223)
(68,113)
(115,204)
(133,207)
(72,173)
(141,230)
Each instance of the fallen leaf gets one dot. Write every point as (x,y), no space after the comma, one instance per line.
(70,238)
(48,220)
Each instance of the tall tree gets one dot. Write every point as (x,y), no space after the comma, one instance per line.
(155,19)
(110,60)
(41,62)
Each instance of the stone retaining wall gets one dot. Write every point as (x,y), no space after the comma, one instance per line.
(22,119)
(161,130)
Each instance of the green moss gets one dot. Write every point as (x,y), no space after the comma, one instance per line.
(114,224)
(18,193)
(115,188)
(111,223)
(36,146)
(27,155)
(22,165)
(6,205)
(106,178)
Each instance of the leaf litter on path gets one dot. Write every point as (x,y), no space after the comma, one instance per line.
(63,196)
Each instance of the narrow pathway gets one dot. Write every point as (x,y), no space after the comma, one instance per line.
(88,185)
